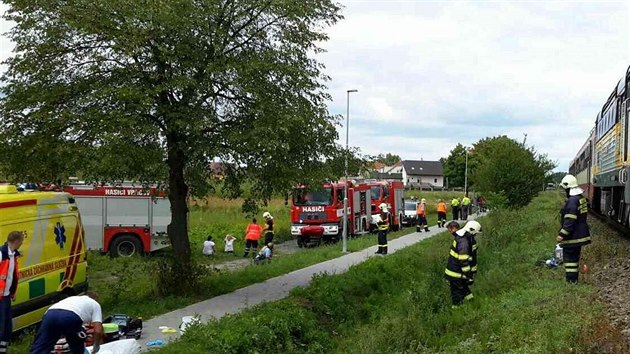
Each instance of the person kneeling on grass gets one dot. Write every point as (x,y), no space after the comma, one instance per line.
(208,247)
(265,254)
(66,318)
(229,244)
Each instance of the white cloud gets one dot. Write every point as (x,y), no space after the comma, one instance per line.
(431,74)
(458,71)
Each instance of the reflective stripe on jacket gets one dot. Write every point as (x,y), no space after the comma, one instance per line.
(458,265)
(383,224)
(4,271)
(473,254)
(574,228)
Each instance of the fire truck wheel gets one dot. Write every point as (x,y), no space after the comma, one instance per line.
(125,246)
(299,242)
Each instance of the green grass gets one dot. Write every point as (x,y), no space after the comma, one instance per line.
(401,303)
(129,285)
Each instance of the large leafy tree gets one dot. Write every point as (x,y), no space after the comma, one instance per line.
(455,166)
(510,170)
(155,90)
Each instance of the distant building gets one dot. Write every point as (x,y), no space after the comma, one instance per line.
(424,174)
(389,177)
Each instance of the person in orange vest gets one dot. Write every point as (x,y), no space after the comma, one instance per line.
(9,276)
(252,235)
(441,210)
(422,216)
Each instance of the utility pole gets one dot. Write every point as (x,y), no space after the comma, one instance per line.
(345,194)
(524,139)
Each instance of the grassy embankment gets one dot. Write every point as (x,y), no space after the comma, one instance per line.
(129,285)
(401,303)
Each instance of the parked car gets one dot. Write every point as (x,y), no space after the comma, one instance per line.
(411,216)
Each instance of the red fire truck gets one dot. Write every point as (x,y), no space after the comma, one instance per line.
(392,194)
(123,221)
(317,214)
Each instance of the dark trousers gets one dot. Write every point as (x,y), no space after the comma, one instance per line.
(465,209)
(571,259)
(268,237)
(441,219)
(251,245)
(455,212)
(5,323)
(460,291)
(57,323)
(382,242)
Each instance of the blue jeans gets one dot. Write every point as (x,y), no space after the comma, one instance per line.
(5,323)
(57,323)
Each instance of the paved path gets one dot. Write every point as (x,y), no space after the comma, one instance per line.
(270,290)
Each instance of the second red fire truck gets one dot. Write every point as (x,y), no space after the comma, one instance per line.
(123,221)
(392,194)
(317,214)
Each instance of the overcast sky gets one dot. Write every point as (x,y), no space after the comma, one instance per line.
(431,74)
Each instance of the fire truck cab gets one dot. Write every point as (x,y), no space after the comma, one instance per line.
(392,194)
(123,221)
(317,214)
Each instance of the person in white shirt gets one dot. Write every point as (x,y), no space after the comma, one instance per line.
(229,244)
(265,254)
(66,318)
(9,275)
(208,246)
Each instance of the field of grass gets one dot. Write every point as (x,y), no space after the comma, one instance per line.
(129,285)
(401,303)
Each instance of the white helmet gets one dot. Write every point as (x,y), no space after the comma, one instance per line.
(472,227)
(569,181)
(423,200)
(383,207)
(267,215)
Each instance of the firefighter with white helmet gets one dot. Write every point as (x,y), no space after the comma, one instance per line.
(383,227)
(421,211)
(574,232)
(473,228)
(460,263)
(268,227)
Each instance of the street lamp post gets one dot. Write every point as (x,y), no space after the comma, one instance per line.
(345,193)
(466,174)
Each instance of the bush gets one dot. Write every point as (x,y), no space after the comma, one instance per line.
(179,278)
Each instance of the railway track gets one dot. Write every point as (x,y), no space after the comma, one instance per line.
(613,224)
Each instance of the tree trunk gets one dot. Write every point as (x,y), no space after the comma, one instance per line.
(177,194)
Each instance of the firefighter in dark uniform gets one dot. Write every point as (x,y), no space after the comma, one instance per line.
(574,232)
(383,228)
(268,227)
(473,247)
(458,268)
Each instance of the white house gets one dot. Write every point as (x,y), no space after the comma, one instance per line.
(422,173)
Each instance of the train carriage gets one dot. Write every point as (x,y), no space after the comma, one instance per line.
(602,164)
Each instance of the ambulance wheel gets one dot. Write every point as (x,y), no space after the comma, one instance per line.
(125,246)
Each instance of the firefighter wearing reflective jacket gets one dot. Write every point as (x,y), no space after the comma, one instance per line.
(383,227)
(421,212)
(9,276)
(455,207)
(458,268)
(268,227)
(574,232)
(441,210)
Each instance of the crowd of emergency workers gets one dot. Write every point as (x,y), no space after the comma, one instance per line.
(66,318)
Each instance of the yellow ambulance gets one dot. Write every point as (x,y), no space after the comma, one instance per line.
(53,263)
